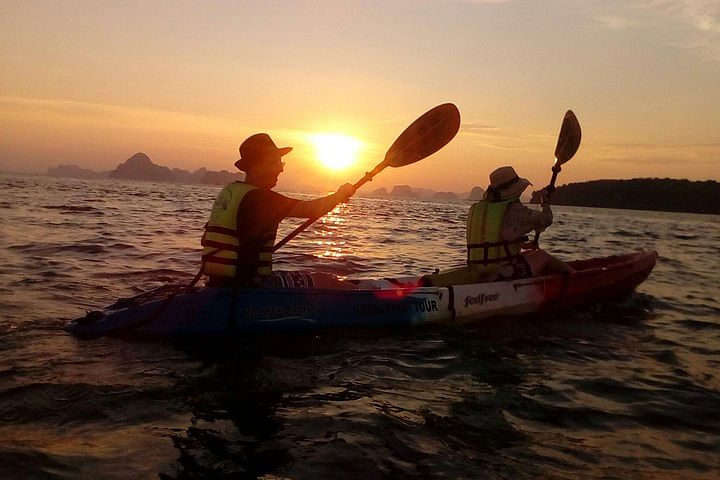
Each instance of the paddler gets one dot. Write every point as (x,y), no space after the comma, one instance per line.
(240,234)
(497,228)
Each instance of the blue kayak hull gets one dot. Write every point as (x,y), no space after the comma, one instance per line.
(220,311)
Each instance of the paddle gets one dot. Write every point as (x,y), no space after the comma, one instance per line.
(425,136)
(567,144)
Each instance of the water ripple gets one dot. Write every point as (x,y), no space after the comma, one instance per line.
(626,389)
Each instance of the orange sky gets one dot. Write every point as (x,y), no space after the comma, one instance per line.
(92,83)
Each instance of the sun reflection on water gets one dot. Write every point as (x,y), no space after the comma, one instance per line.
(329,245)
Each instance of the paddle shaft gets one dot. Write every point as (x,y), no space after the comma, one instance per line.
(549,190)
(368,176)
(551,187)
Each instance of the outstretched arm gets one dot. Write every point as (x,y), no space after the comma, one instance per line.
(320,206)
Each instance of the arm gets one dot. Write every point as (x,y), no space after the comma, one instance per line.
(521,220)
(320,206)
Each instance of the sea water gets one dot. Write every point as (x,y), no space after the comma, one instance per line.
(623,390)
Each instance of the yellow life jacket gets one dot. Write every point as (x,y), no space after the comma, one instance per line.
(486,249)
(222,253)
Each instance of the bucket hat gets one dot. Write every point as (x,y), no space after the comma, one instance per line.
(258,148)
(507,183)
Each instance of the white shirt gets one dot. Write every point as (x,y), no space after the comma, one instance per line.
(520,220)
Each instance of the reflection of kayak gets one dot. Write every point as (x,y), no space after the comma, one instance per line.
(175,310)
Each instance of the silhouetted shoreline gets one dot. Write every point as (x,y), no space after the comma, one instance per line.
(670,195)
(140,167)
(661,194)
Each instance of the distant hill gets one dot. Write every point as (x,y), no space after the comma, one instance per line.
(444,196)
(476,193)
(665,194)
(141,167)
(402,191)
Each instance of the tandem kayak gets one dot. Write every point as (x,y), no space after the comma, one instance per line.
(175,310)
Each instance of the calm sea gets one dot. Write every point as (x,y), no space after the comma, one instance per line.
(628,390)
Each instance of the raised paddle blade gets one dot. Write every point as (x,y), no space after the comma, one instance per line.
(425,136)
(569,138)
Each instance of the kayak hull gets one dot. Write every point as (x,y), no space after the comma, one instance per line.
(178,311)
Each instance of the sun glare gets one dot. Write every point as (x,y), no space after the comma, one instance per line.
(334,150)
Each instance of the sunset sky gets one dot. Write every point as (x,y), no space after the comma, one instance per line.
(91,83)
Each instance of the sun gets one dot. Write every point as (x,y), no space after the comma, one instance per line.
(334,150)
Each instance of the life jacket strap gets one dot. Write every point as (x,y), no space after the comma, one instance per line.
(221,246)
(486,246)
(221,230)
(213,258)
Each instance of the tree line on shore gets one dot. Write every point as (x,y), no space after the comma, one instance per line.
(663,194)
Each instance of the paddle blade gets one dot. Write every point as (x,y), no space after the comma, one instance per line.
(569,138)
(425,136)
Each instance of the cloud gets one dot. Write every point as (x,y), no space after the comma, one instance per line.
(491,136)
(478,2)
(615,22)
(111,116)
(690,24)
(478,129)
(700,154)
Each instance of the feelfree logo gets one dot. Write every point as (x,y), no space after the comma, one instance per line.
(481,299)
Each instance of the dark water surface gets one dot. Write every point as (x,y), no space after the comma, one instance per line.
(628,390)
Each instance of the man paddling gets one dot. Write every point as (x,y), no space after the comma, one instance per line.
(239,236)
(497,228)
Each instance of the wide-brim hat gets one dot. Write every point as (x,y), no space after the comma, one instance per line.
(507,183)
(257,149)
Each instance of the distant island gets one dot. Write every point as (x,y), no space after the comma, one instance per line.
(664,194)
(637,194)
(140,167)
(408,192)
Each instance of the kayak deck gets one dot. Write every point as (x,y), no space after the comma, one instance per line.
(177,310)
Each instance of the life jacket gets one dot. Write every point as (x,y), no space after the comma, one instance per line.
(223,255)
(486,249)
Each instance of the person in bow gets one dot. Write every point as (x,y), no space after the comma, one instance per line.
(497,228)
(240,234)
